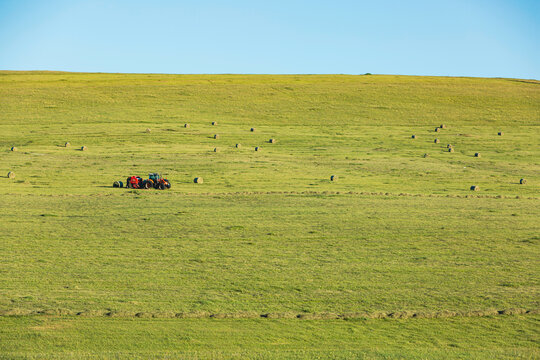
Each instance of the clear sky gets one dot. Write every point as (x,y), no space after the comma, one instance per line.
(491,38)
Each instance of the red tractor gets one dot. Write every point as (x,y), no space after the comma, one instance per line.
(156,181)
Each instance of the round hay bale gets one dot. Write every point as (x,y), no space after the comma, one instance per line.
(451,149)
(522,181)
(257,148)
(252,129)
(186,125)
(11,175)
(475,188)
(333,178)
(148,130)
(272,141)
(238,146)
(216,150)
(413,137)
(13,148)
(216,136)
(477,155)
(437,129)
(436,141)
(67,144)
(443,126)
(214,123)
(198,180)
(426,155)
(500,133)
(84,148)
(116,184)
(449,146)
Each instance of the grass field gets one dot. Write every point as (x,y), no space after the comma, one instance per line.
(268,258)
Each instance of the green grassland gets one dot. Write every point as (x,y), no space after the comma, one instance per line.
(268,258)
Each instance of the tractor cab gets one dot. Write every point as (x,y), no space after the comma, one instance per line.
(155,177)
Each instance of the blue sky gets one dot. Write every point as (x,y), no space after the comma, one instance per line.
(457,38)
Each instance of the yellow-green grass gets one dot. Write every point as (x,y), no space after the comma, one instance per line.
(268,233)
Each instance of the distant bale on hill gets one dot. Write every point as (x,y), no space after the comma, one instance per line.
(477,155)
(214,123)
(500,133)
(216,150)
(198,180)
(148,130)
(451,149)
(11,175)
(272,141)
(238,146)
(522,181)
(252,129)
(216,136)
(449,146)
(84,148)
(13,148)
(333,178)
(426,155)
(257,148)
(413,137)
(436,141)
(67,144)
(186,125)
(475,188)
(443,126)
(437,129)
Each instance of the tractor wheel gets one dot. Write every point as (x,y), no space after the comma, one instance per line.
(168,185)
(148,184)
(162,186)
(116,184)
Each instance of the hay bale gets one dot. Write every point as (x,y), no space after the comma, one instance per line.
(449,146)
(272,141)
(216,150)
(475,188)
(333,178)
(252,129)
(67,144)
(11,175)
(216,136)
(413,137)
(116,184)
(214,123)
(477,155)
(500,133)
(426,155)
(13,148)
(186,125)
(148,130)
(451,149)
(198,180)
(443,126)
(437,129)
(84,148)
(257,148)
(522,181)
(436,141)
(238,146)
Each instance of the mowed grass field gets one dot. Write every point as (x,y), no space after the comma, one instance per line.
(268,258)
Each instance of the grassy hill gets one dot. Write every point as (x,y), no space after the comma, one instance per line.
(268,258)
